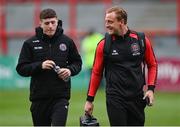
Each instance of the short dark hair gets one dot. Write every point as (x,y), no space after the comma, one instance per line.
(47,13)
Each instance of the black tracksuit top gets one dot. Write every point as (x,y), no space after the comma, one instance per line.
(62,50)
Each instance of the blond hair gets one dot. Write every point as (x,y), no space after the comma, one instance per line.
(120,13)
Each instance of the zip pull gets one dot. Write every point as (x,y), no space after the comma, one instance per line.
(50,45)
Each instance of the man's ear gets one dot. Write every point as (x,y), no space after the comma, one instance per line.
(122,21)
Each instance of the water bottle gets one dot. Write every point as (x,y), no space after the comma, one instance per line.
(57,69)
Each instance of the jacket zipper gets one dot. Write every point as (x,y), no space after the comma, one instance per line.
(50,50)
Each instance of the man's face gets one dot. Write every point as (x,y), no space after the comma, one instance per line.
(49,26)
(112,24)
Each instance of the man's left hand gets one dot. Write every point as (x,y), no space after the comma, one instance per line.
(150,95)
(64,73)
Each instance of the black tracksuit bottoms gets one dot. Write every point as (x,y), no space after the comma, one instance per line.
(49,112)
(123,112)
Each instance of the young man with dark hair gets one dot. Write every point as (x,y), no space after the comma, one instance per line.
(50,58)
(124,73)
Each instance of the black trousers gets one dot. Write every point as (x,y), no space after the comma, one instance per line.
(49,112)
(125,112)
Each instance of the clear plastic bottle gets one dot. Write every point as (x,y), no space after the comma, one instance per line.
(57,69)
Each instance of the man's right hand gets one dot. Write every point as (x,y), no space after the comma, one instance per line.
(88,107)
(48,64)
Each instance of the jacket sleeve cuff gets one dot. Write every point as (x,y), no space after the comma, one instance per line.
(90,98)
(151,87)
(36,67)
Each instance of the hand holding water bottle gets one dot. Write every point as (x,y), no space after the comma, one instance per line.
(63,73)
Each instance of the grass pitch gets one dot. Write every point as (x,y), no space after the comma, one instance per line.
(14,108)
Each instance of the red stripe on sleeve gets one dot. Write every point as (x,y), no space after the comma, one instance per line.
(151,63)
(97,70)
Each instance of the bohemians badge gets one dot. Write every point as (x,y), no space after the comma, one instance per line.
(63,47)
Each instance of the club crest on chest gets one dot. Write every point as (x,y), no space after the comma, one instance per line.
(135,49)
(63,47)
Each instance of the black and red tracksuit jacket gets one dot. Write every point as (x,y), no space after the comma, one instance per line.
(124,71)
